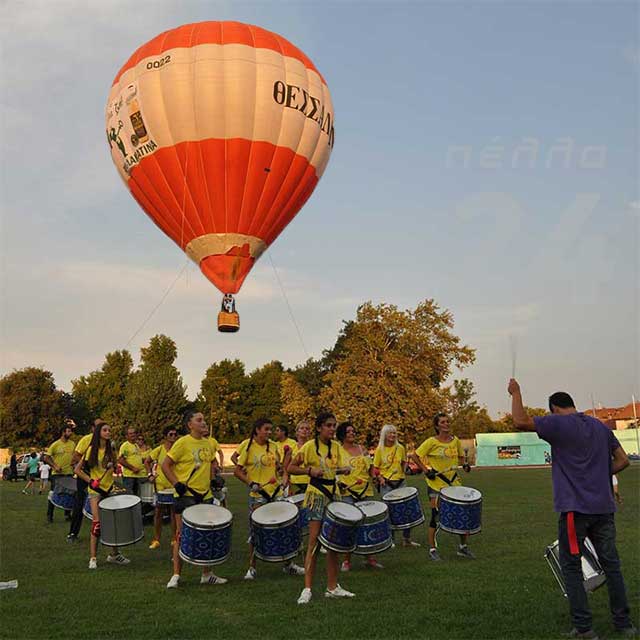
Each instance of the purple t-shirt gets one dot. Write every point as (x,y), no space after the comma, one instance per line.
(581,449)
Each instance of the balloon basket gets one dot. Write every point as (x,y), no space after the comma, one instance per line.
(228,322)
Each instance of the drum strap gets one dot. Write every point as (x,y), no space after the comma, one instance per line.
(322,486)
(445,479)
(354,494)
(267,497)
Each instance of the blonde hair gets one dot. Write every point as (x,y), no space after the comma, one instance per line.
(384,432)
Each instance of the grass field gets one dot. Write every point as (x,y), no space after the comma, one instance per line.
(508,592)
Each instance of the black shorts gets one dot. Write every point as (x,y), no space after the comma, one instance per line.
(184,502)
(33,476)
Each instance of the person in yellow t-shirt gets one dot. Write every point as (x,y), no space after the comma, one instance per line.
(81,487)
(59,456)
(162,487)
(439,458)
(257,466)
(188,466)
(132,460)
(357,485)
(96,469)
(284,444)
(297,483)
(389,462)
(322,460)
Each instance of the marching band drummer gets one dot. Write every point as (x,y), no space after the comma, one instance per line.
(257,467)
(357,485)
(389,462)
(59,456)
(297,483)
(218,489)
(284,444)
(100,460)
(188,466)
(81,486)
(321,459)
(131,459)
(438,457)
(153,462)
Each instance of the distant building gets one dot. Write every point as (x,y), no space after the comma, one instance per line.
(616,418)
(509,449)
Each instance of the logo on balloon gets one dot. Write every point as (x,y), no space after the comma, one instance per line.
(293,97)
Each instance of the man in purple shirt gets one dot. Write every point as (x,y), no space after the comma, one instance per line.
(585,455)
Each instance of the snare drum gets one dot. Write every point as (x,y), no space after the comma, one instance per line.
(120,520)
(374,533)
(275,529)
(205,538)
(339,531)
(147,493)
(303,512)
(63,495)
(591,570)
(165,497)
(460,510)
(405,510)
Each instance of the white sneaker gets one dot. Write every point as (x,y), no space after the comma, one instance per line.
(323,551)
(338,592)
(93,563)
(119,559)
(173,582)
(345,566)
(251,574)
(305,596)
(293,569)
(212,578)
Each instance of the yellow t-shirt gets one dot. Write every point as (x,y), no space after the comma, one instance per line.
(158,455)
(61,452)
(83,443)
(130,451)
(98,472)
(390,461)
(303,479)
(288,442)
(192,457)
(443,457)
(216,447)
(358,480)
(310,458)
(259,462)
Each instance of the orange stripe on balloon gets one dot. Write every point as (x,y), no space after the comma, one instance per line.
(250,188)
(211,32)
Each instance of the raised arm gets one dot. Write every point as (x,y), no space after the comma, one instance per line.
(522,421)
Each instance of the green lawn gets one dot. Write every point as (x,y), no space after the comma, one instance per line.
(508,592)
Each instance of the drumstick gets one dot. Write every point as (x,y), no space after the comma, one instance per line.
(513,347)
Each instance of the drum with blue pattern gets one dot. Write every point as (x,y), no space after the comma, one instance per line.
(460,510)
(165,497)
(205,538)
(405,510)
(275,530)
(374,533)
(339,531)
(63,495)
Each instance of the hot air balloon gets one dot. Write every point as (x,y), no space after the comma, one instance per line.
(221,131)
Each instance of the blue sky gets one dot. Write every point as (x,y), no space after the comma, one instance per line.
(432,190)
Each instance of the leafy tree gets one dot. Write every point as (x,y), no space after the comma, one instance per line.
(101,393)
(389,368)
(505,424)
(32,409)
(297,403)
(467,417)
(222,397)
(311,376)
(263,400)
(155,397)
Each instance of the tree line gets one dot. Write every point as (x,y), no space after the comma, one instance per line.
(386,366)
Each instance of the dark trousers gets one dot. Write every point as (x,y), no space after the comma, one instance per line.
(601,530)
(132,485)
(76,514)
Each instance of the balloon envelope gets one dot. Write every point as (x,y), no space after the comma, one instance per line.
(221,131)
